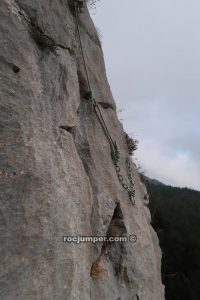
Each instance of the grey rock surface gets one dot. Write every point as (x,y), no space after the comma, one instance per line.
(56,173)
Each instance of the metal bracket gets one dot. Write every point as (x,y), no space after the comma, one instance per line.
(132,197)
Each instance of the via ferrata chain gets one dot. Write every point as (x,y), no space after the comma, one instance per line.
(115,154)
(130,189)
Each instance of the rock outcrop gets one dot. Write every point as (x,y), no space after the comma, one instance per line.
(56,173)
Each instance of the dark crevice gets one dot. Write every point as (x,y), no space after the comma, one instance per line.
(84,153)
(69,129)
(43,40)
(81,137)
(106,105)
(81,6)
(84,91)
(15,69)
(114,251)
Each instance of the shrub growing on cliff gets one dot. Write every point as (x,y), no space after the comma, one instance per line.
(132,144)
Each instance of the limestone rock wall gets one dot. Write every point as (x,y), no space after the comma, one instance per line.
(56,173)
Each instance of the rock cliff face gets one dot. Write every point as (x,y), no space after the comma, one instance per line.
(56,173)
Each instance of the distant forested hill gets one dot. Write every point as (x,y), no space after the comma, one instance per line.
(176,219)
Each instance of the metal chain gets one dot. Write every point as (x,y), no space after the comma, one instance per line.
(130,189)
(115,154)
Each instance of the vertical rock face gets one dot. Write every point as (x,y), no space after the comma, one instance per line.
(56,173)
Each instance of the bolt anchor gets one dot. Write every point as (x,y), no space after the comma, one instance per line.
(132,196)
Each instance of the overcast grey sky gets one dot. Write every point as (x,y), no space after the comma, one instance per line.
(152,54)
